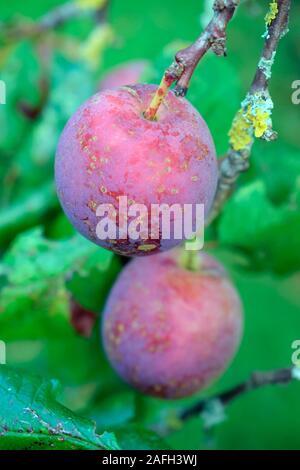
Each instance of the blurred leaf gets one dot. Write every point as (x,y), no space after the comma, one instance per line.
(32,258)
(32,418)
(113,410)
(71,84)
(90,3)
(134,437)
(22,62)
(59,227)
(27,212)
(90,289)
(34,273)
(279,166)
(267,233)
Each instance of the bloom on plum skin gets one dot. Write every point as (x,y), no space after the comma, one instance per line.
(127,73)
(169,331)
(108,149)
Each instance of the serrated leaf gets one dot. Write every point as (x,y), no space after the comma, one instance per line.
(34,258)
(32,418)
(136,437)
(34,277)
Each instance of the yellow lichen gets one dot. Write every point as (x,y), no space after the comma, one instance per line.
(93,48)
(253,118)
(272,13)
(240,132)
(260,122)
(87,4)
(148,247)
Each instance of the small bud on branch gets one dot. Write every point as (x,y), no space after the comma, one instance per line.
(186,60)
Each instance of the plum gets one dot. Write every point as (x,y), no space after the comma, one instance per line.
(168,330)
(109,151)
(128,73)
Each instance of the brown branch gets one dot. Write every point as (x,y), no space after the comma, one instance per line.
(254,117)
(205,407)
(53,19)
(213,37)
(186,60)
(256,380)
(276,29)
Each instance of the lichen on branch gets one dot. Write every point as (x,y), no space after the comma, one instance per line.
(254,118)
(272,13)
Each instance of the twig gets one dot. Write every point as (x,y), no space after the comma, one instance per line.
(256,380)
(51,20)
(215,404)
(254,117)
(213,37)
(186,60)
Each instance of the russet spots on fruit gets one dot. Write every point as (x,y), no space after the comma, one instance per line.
(180,330)
(108,148)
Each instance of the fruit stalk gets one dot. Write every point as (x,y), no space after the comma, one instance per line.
(169,77)
(213,37)
(186,60)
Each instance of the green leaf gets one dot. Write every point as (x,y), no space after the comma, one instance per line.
(27,212)
(22,62)
(71,83)
(34,277)
(113,408)
(267,233)
(33,258)
(135,437)
(32,418)
(278,165)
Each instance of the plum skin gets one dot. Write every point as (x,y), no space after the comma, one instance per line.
(108,149)
(168,331)
(127,73)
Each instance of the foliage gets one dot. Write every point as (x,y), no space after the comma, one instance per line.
(44,263)
(33,419)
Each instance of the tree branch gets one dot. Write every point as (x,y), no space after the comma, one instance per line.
(212,408)
(186,60)
(213,37)
(255,381)
(51,20)
(254,117)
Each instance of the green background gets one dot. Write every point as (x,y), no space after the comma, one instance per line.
(257,236)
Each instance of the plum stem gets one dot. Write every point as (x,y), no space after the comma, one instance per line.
(213,37)
(169,77)
(186,60)
(190,260)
